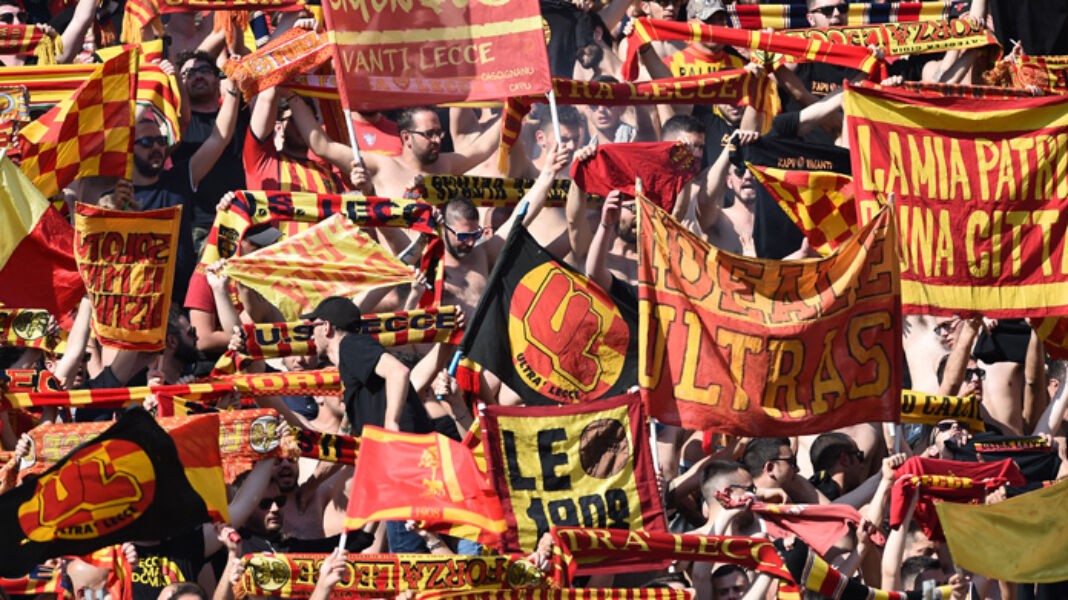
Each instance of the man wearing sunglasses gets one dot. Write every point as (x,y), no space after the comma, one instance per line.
(156,186)
(202,87)
(772,464)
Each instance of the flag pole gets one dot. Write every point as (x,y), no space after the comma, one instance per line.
(352,135)
(455,364)
(342,540)
(556,117)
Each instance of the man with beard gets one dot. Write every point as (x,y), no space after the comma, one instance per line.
(421,135)
(155,187)
(733,230)
(200,80)
(468,250)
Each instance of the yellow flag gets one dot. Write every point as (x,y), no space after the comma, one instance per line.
(1020,539)
(334,258)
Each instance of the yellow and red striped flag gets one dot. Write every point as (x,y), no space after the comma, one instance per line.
(820,203)
(90,133)
(426,477)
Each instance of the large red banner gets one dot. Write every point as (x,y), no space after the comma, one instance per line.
(396,54)
(979,192)
(758,347)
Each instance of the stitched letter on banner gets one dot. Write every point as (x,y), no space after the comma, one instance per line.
(409,54)
(127,263)
(979,194)
(334,258)
(759,347)
(586,465)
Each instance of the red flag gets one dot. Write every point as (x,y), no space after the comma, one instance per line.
(411,54)
(35,239)
(819,525)
(426,477)
(663,167)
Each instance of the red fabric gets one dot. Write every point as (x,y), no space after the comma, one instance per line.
(48,253)
(268,169)
(382,137)
(819,525)
(983,477)
(664,168)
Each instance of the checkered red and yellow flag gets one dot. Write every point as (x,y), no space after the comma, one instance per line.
(820,203)
(90,133)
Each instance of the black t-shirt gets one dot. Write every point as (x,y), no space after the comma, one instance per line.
(175,560)
(174,188)
(227,175)
(717,133)
(365,391)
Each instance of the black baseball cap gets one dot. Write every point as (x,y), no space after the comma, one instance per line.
(340,312)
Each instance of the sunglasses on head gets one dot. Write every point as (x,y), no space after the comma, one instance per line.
(10,18)
(266,503)
(467,236)
(827,11)
(151,140)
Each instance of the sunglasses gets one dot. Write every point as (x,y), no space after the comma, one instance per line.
(151,140)
(10,18)
(431,134)
(791,460)
(859,454)
(975,373)
(943,328)
(743,488)
(827,11)
(266,503)
(467,236)
(201,70)
(946,426)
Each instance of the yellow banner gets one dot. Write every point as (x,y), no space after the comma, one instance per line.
(1019,539)
(127,262)
(334,258)
(28,328)
(586,465)
(929,409)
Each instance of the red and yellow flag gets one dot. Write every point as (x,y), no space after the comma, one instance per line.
(34,239)
(127,262)
(820,203)
(334,258)
(760,347)
(197,440)
(978,195)
(90,133)
(429,478)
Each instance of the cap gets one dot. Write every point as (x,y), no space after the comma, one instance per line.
(262,235)
(704,9)
(339,312)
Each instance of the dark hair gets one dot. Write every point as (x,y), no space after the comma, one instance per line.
(1057,370)
(460,208)
(713,472)
(724,570)
(827,448)
(665,581)
(914,565)
(406,118)
(173,328)
(188,587)
(568,115)
(760,451)
(604,79)
(681,124)
(197,54)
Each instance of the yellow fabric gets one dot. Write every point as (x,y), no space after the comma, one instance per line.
(1020,539)
(21,206)
(334,258)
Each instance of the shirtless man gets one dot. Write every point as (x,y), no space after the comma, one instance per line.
(421,135)
(733,231)
(467,264)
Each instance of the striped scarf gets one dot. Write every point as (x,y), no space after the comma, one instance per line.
(30,39)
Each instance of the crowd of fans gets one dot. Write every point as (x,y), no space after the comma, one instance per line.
(277,142)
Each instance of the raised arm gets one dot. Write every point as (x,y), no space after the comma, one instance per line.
(597,259)
(73,36)
(209,152)
(534,199)
(338,154)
